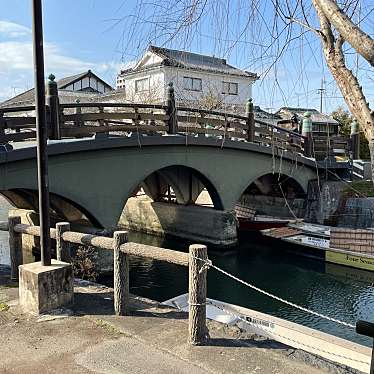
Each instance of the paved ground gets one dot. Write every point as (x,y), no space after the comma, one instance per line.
(151,340)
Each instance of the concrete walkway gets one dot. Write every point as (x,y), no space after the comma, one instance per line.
(89,339)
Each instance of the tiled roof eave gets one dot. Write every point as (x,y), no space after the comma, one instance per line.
(177,65)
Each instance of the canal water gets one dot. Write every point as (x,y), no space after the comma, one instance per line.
(337,291)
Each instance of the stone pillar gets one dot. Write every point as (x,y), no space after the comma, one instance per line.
(44,288)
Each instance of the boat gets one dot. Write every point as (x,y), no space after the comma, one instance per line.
(326,243)
(292,334)
(249,220)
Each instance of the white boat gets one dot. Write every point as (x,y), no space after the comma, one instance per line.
(292,334)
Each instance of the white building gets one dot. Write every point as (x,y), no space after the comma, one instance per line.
(195,77)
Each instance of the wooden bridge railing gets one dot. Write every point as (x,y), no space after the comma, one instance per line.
(87,119)
(195,260)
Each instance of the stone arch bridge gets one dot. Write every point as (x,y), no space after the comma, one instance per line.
(98,176)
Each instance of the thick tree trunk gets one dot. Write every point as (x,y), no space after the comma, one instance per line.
(345,79)
(360,41)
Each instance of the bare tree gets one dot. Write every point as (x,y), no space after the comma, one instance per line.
(268,30)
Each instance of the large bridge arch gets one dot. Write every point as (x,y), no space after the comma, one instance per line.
(186,182)
(100,175)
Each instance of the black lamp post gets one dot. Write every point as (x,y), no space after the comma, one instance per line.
(41,131)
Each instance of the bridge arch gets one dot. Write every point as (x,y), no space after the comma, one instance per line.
(186,182)
(61,207)
(279,192)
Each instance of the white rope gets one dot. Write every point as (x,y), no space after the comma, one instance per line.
(276,297)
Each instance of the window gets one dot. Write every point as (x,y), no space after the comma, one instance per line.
(229,88)
(192,84)
(142,85)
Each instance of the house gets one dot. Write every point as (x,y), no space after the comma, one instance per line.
(322,124)
(85,86)
(197,79)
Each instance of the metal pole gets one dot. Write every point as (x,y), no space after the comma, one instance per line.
(41,131)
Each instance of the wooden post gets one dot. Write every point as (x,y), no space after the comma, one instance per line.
(171,110)
(121,272)
(15,247)
(355,140)
(62,248)
(2,128)
(367,328)
(78,112)
(197,330)
(53,104)
(307,134)
(250,120)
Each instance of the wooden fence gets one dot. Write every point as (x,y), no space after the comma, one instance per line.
(196,260)
(88,119)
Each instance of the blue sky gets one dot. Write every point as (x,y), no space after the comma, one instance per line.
(101,35)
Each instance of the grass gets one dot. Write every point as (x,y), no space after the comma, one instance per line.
(4,307)
(359,189)
(109,327)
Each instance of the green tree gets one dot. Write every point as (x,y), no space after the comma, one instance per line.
(345,119)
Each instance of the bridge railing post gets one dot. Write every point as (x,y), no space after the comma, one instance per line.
(171,110)
(121,270)
(63,248)
(307,134)
(78,111)
(250,120)
(355,140)
(15,246)
(197,330)
(2,128)
(53,108)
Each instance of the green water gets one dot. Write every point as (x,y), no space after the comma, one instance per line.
(337,291)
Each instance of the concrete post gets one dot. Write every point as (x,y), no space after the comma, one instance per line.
(53,105)
(15,247)
(63,252)
(355,140)
(307,134)
(250,120)
(197,330)
(171,110)
(121,272)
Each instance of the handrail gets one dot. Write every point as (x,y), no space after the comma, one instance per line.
(112,105)
(17,109)
(121,249)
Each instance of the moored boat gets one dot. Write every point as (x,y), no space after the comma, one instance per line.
(341,246)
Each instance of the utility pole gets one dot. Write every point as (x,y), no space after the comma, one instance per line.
(321,92)
(41,132)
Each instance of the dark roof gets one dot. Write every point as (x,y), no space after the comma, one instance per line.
(193,61)
(64,82)
(316,116)
(28,97)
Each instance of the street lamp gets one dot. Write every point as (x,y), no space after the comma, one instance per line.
(41,132)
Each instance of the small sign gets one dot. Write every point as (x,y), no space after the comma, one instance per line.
(319,242)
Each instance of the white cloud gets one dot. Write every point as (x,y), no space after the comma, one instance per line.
(16,66)
(13,30)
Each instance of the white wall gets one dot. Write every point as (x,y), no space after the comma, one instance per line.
(210,83)
(156,93)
